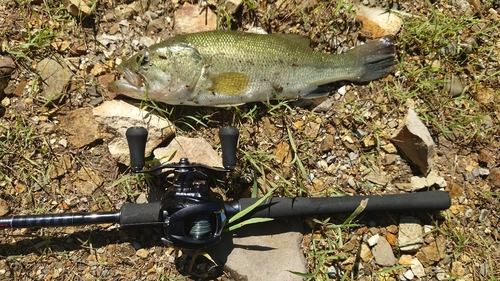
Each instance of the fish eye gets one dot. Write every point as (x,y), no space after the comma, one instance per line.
(142,59)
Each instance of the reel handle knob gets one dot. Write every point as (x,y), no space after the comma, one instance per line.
(228,140)
(136,139)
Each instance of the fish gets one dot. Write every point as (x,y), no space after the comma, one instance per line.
(230,68)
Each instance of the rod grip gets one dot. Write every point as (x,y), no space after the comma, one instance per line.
(229,140)
(136,139)
(146,214)
(280,207)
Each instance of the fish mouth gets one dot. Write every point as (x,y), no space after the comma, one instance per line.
(131,82)
(132,77)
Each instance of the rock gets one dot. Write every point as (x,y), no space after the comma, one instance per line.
(480,172)
(392,239)
(323,106)
(99,69)
(372,241)
(233,5)
(455,190)
(494,177)
(378,178)
(390,159)
(193,18)
(415,141)
(484,217)
(382,252)
(377,22)
(418,183)
(283,152)
(332,272)
(142,253)
(432,253)
(457,269)
(405,260)
(454,85)
(417,268)
(195,149)
(60,46)
(485,156)
(311,129)
(7,65)
(409,274)
(128,11)
(60,166)
(55,77)
(81,127)
(78,48)
(79,8)
(327,143)
(3,84)
(410,235)
(87,180)
(115,117)
(365,253)
(256,252)
(4,207)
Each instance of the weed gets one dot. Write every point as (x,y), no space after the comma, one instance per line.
(327,245)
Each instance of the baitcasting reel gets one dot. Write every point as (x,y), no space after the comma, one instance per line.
(192,216)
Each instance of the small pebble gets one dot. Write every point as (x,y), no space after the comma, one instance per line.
(332,272)
(480,172)
(353,156)
(372,241)
(142,253)
(409,274)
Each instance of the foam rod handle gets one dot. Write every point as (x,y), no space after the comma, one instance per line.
(280,207)
(228,140)
(136,138)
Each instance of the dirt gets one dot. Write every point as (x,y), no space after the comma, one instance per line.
(41,171)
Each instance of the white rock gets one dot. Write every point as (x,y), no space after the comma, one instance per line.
(372,241)
(428,228)
(409,274)
(256,30)
(378,22)
(410,235)
(115,117)
(417,268)
(194,149)
(342,90)
(431,179)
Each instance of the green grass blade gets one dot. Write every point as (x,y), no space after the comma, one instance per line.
(247,222)
(244,212)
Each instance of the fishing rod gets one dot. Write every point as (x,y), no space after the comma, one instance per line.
(190,215)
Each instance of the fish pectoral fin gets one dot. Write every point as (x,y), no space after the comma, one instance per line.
(228,104)
(317,93)
(230,83)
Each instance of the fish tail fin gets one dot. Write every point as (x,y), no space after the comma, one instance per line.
(377,59)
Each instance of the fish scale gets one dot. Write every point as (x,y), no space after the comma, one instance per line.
(220,68)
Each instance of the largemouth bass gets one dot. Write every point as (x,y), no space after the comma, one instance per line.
(219,68)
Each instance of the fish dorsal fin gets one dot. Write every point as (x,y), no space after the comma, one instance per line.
(230,83)
(298,39)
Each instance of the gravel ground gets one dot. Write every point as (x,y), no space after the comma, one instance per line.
(448,73)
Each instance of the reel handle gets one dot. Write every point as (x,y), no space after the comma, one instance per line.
(136,139)
(229,140)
